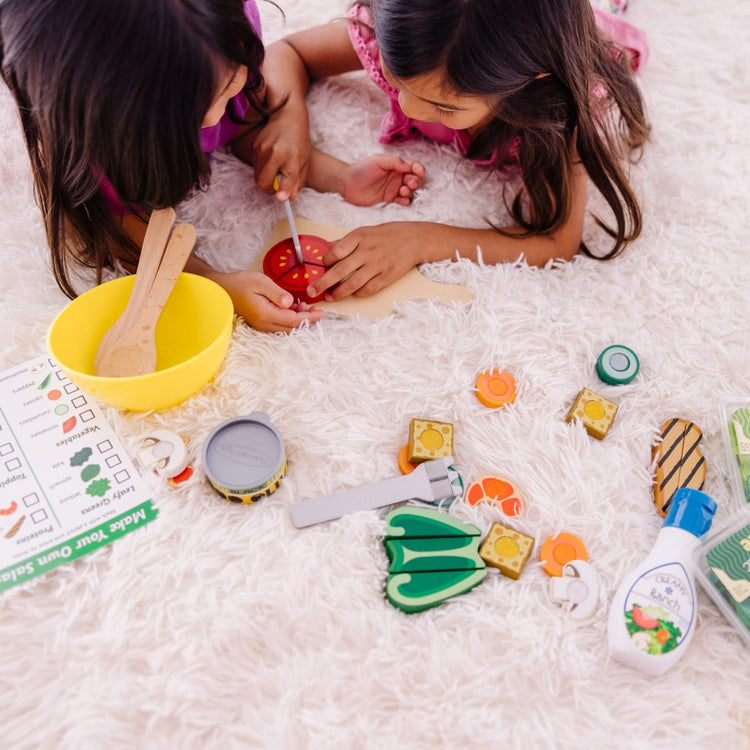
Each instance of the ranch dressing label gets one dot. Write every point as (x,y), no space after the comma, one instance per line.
(659,608)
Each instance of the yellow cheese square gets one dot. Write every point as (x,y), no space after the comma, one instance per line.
(506,549)
(429,440)
(594,411)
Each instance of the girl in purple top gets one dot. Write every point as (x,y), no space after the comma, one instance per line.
(545,88)
(121,102)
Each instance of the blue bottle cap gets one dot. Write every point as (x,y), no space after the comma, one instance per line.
(691,510)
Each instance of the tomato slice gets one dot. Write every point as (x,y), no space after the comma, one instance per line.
(280,264)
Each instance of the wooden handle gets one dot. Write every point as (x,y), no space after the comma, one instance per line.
(173,261)
(152,251)
(154,242)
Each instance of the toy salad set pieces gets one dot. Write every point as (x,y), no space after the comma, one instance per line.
(128,348)
(431,482)
(433,557)
(652,615)
(724,571)
(723,561)
(679,461)
(244,458)
(573,584)
(736,417)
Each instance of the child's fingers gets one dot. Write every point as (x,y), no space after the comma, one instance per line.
(412,182)
(418,169)
(288,186)
(285,321)
(339,266)
(273,292)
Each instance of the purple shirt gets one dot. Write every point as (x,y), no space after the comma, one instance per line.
(211,138)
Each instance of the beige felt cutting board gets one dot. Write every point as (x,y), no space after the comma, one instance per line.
(410,286)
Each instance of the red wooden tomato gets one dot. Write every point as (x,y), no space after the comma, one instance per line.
(281,265)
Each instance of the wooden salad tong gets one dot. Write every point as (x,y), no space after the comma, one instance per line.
(128,348)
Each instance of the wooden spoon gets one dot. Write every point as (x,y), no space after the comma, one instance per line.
(134,353)
(154,241)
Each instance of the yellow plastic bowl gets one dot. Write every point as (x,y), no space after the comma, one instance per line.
(192,337)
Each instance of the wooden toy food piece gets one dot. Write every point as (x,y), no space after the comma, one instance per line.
(411,285)
(495,388)
(506,549)
(433,557)
(244,458)
(280,264)
(559,550)
(184,476)
(164,452)
(594,411)
(679,461)
(404,464)
(496,491)
(576,590)
(617,365)
(429,440)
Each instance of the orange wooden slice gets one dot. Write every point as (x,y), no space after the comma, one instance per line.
(404,464)
(496,388)
(496,491)
(559,550)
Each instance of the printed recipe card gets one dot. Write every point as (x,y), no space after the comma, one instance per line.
(67,486)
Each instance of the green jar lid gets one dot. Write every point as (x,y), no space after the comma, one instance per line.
(617,365)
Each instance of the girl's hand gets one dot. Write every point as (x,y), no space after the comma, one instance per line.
(282,146)
(370,258)
(381,178)
(263,304)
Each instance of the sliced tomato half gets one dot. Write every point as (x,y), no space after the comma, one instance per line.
(281,265)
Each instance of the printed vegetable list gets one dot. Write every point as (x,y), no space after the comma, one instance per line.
(67,486)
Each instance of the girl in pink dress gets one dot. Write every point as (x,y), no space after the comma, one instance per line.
(542,88)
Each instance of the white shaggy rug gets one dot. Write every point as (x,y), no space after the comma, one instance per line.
(223,626)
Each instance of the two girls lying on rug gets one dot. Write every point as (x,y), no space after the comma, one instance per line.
(122,103)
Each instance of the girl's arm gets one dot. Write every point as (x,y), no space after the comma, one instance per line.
(370,258)
(291,65)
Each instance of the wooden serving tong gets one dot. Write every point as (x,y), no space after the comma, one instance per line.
(129,347)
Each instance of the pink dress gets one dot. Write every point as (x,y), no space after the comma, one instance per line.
(211,138)
(396,126)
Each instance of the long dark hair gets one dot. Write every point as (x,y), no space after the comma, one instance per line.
(117,88)
(553,79)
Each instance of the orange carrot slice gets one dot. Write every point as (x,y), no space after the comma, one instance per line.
(403,461)
(559,550)
(496,388)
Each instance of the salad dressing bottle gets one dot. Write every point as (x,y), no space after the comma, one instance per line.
(652,616)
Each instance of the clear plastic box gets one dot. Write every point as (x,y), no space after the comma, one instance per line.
(723,560)
(736,417)
(723,569)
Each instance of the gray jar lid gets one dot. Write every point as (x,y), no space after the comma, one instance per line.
(243,453)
